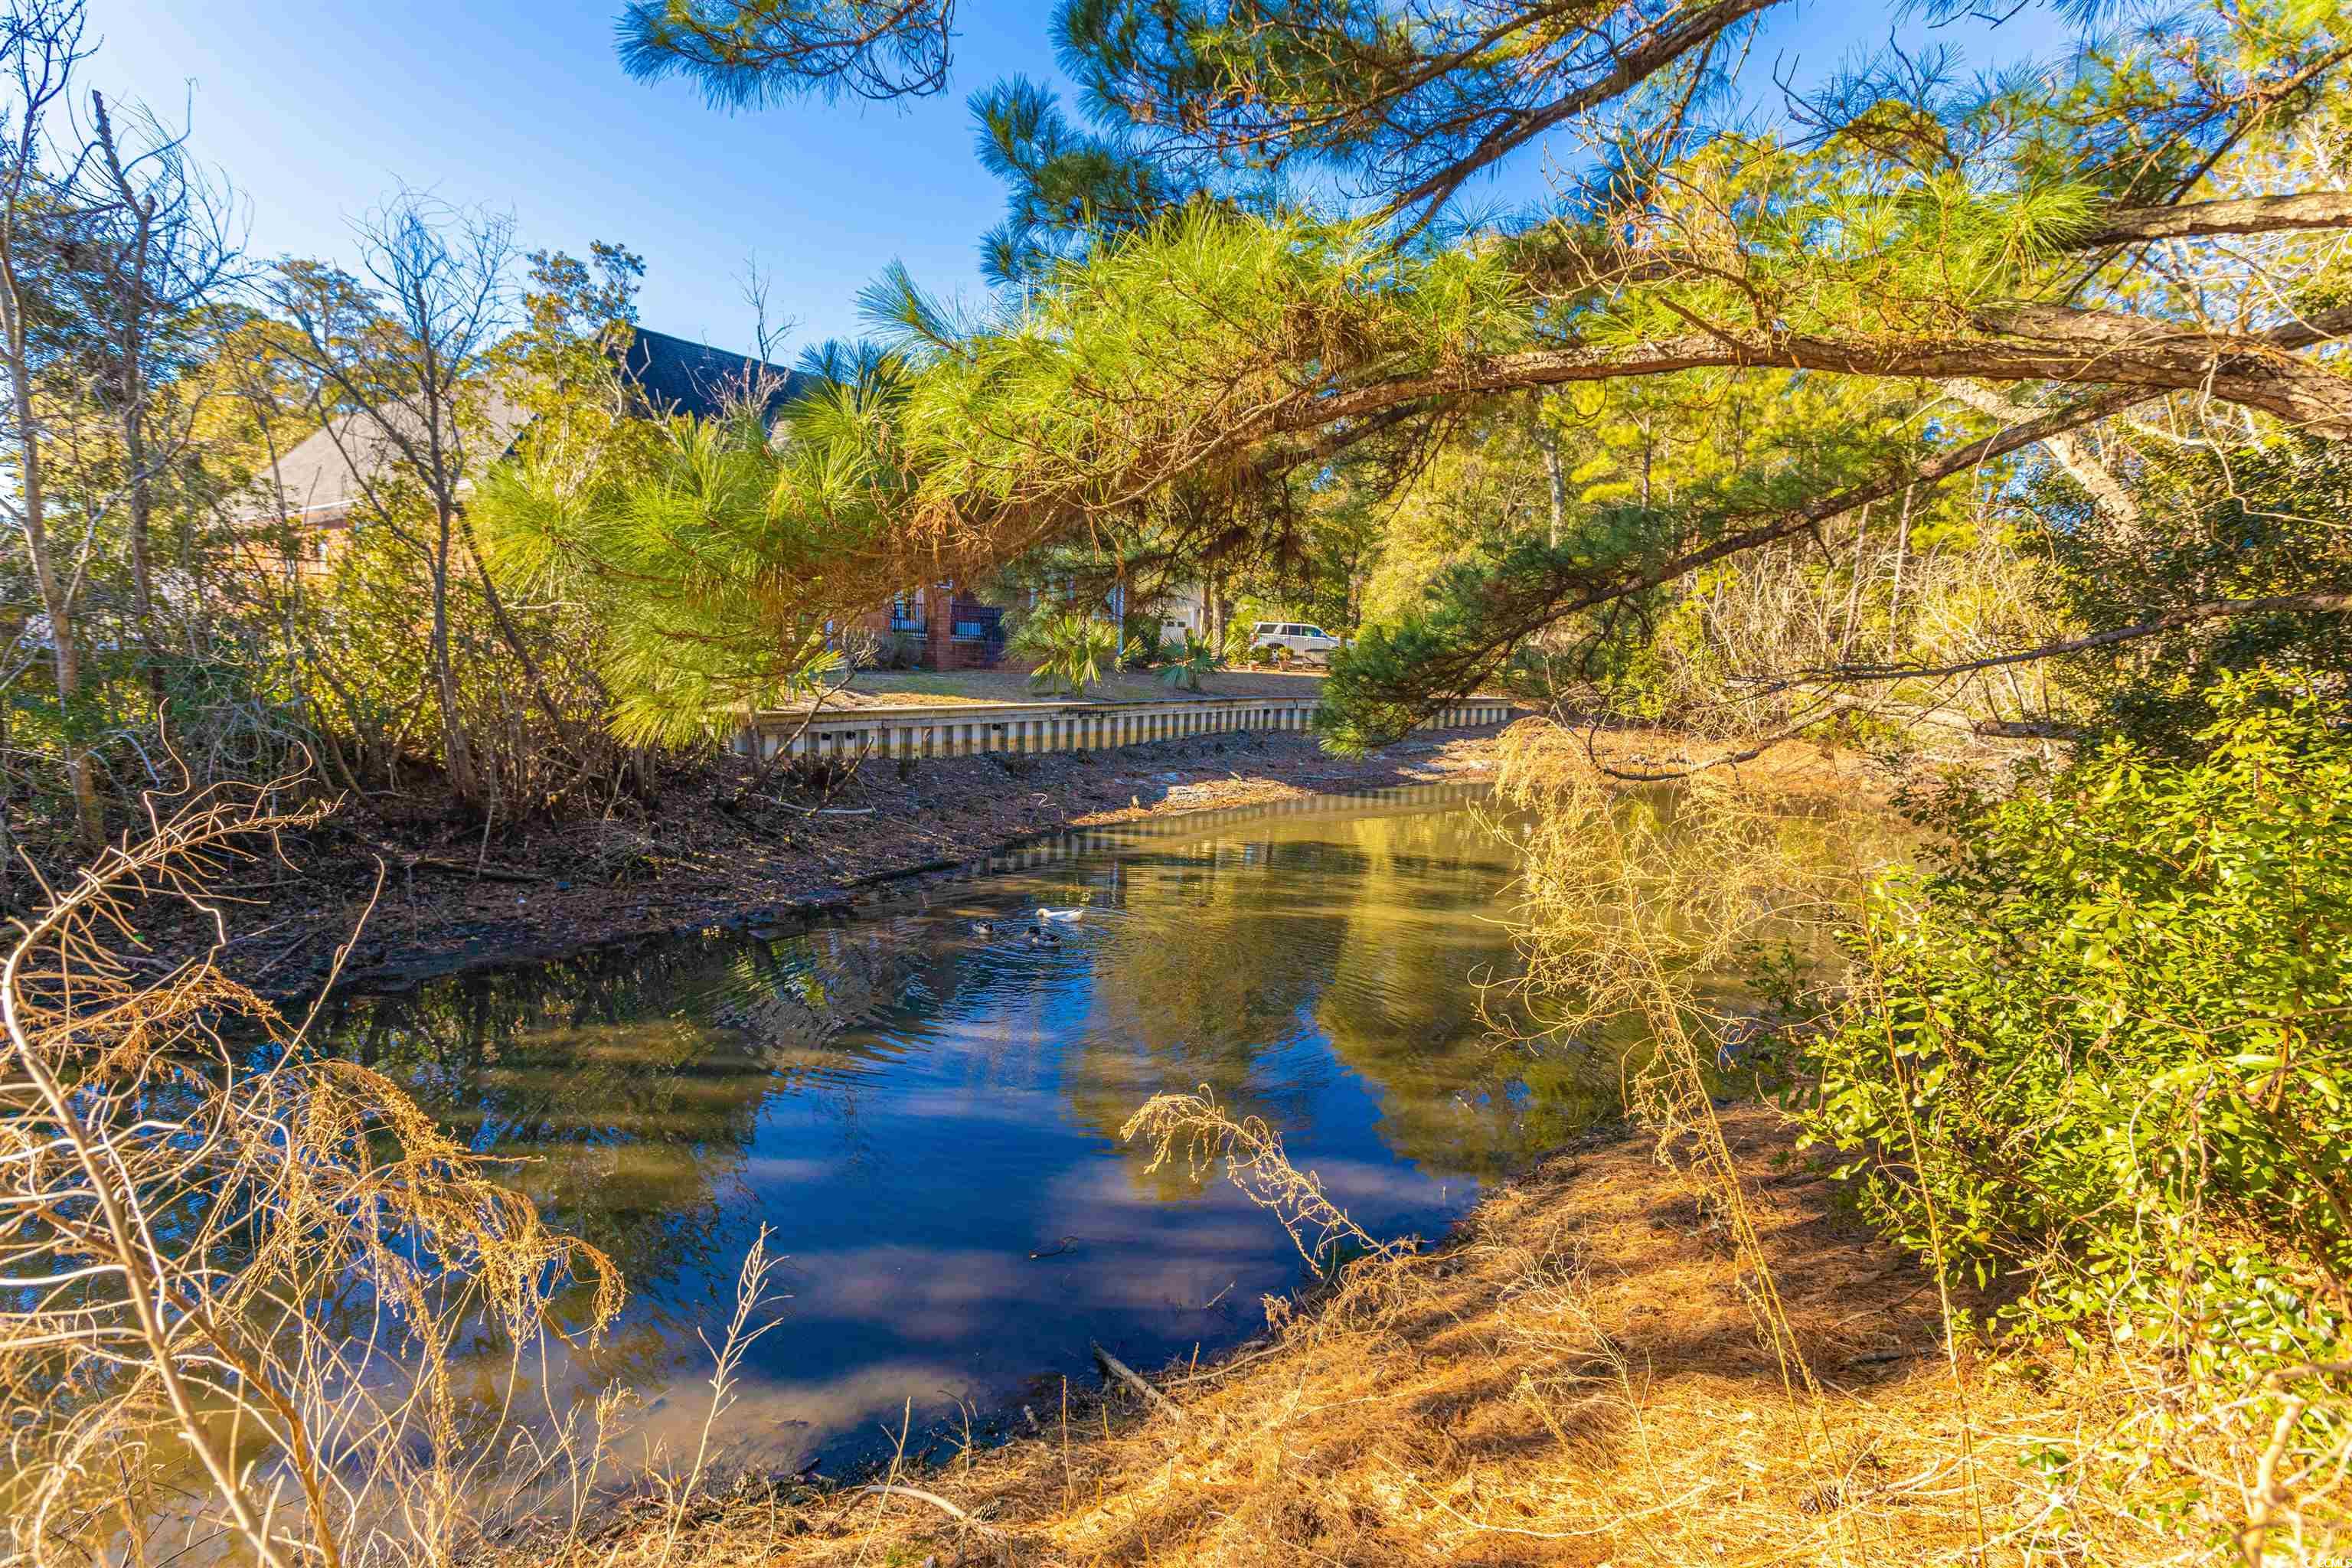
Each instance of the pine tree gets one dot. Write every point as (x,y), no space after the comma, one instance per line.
(2142,226)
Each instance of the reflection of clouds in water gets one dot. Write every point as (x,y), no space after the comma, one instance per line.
(1365,1190)
(1216,1217)
(1139,1252)
(940,1295)
(778,1169)
(921,1292)
(775,1423)
(977,1103)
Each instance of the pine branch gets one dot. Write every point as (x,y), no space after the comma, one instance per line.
(1367,709)
(2041,343)
(2303,211)
(1634,67)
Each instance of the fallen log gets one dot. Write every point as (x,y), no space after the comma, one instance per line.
(961,1516)
(410,860)
(1134,1380)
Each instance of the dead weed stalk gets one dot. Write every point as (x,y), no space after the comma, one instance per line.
(1637,906)
(236,1273)
(1254,1161)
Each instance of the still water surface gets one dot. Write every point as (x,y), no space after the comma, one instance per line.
(926,1109)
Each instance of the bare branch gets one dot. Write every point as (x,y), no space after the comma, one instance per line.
(2171,620)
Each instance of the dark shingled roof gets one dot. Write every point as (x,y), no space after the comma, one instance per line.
(675,376)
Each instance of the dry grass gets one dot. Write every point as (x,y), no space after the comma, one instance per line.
(1575,1377)
(1252,1156)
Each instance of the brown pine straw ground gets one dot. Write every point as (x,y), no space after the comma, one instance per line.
(1573,1377)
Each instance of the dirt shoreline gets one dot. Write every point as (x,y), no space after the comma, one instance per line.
(699,861)
(705,857)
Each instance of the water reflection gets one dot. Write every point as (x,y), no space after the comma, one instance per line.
(918,1103)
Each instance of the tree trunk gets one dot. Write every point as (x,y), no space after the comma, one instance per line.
(134,301)
(442,473)
(1557,480)
(56,600)
(140,506)
(456,756)
(7,821)
(512,635)
(1894,599)
(1554,478)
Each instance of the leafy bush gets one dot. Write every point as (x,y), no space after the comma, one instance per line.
(1072,648)
(2259,523)
(1240,629)
(1145,644)
(2104,1052)
(1190,661)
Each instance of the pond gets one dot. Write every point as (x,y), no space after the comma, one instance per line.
(924,1107)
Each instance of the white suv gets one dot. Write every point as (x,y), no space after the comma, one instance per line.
(1304,641)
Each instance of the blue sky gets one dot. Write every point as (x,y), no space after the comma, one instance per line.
(316,112)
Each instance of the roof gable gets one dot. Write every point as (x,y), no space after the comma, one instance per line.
(675,376)
(330,469)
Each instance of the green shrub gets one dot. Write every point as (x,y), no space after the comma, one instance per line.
(1146,642)
(2251,523)
(1241,629)
(1072,649)
(2102,1054)
(1188,662)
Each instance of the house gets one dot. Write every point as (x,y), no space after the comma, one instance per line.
(938,626)
(1184,609)
(324,482)
(327,479)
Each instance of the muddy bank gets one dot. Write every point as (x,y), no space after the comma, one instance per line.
(720,849)
(708,855)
